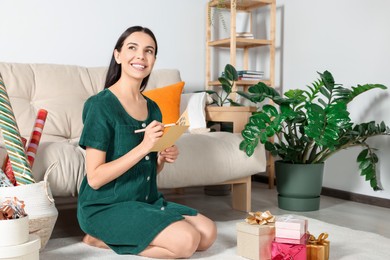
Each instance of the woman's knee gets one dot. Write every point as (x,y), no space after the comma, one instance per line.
(180,238)
(189,243)
(209,234)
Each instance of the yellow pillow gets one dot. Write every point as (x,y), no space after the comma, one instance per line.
(168,100)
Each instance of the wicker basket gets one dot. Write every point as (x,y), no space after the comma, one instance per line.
(43,227)
(39,205)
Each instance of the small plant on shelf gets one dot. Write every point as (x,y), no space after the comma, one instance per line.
(227,80)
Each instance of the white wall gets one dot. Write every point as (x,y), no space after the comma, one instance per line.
(350,38)
(84,32)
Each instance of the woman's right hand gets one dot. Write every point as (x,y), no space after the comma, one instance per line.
(153,133)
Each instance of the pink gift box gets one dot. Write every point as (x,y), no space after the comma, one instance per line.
(290,227)
(282,251)
(302,241)
(254,241)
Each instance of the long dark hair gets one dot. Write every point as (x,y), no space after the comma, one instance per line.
(114,70)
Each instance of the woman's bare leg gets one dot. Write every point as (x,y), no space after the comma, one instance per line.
(178,240)
(207,229)
(93,241)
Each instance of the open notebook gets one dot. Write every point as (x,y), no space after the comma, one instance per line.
(172,133)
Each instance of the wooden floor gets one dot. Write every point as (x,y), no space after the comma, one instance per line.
(332,210)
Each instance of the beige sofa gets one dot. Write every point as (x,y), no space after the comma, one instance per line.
(208,158)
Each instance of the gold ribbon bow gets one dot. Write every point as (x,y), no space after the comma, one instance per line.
(318,248)
(321,240)
(260,218)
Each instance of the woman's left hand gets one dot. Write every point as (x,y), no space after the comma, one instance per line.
(169,155)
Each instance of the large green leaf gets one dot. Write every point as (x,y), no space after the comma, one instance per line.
(328,80)
(251,97)
(324,91)
(295,96)
(367,165)
(360,89)
(326,126)
(270,110)
(362,155)
(226,85)
(230,73)
(314,90)
(261,91)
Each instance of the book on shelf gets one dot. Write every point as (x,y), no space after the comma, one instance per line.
(246,35)
(248,73)
(253,72)
(250,78)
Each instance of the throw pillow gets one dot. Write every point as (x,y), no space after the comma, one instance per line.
(168,100)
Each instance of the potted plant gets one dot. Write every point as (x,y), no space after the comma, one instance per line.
(310,125)
(227,80)
(222,108)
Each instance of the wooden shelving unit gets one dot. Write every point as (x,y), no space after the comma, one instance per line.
(234,43)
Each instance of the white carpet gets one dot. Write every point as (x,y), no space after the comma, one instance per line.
(345,243)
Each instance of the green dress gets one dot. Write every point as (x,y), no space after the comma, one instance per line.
(128,212)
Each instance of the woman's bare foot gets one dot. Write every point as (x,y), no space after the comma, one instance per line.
(93,241)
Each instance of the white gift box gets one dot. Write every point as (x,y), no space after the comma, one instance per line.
(14,231)
(291,227)
(25,251)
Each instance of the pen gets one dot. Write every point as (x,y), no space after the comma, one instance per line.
(143,129)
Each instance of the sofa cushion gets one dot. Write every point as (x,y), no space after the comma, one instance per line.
(210,158)
(168,100)
(61,90)
(68,160)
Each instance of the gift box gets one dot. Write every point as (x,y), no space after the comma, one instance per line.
(318,249)
(284,251)
(290,227)
(254,241)
(302,240)
(13,231)
(26,251)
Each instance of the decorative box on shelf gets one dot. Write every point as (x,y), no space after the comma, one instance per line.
(254,241)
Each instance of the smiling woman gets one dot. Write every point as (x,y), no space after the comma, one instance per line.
(119,206)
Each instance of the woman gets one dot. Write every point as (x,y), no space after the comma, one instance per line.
(119,206)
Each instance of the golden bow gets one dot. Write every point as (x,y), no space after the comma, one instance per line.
(260,218)
(321,240)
